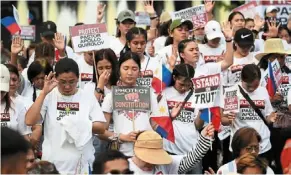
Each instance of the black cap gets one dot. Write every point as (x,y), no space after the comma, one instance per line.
(48,28)
(244,37)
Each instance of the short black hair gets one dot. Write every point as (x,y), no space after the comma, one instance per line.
(231,16)
(98,165)
(249,20)
(12,69)
(66,65)
(250,72)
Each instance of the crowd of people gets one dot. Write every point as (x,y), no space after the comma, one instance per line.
(57,106)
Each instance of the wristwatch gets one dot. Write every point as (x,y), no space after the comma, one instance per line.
(115,137)
(98,90)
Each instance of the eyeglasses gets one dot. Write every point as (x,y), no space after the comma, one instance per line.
(255,148)
(70,83)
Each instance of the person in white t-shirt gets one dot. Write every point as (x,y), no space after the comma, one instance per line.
(86,68)
(136,42)
(165,22)
(12,111)
(289,100)
(247,116)
(151,158)
(127,124)
(70,116)
(246,140)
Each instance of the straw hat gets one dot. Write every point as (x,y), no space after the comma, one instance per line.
(165,17)
(149,148)
(273,45)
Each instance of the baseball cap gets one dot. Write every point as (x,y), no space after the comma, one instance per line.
(125,14)
(5,78)
(165,16)
(149,148)
(48,28)
(271,9)
(244,37)
(178,22)
(213,30)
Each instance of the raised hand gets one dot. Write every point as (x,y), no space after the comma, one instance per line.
(173,58)
(176,110)
(50,82)
(227,31)
(104,78)
(209,6)
(273,29)
(59,41)
(149,7)
(273,117)
(100,11)
(151,49)
(17,45)
(208,131)
(259,22)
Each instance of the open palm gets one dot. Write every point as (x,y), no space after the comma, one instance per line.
(17,45)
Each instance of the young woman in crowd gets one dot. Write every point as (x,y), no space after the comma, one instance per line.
(285,34)
(187,123)
(127,124)
(12,111)
(250,23)
(151,158)
(247,116)
(64,109)
(136,39)
(237,21)
(246,140)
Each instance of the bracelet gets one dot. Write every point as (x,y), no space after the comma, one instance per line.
(98,90)
(152,18)
(228,41)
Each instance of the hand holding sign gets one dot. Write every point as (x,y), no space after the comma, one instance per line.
(100,12)
(50,82)
(208,131)
(227,31)
(17,45)
(230,116)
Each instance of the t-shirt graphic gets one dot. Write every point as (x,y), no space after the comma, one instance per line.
(248,113)
(187,113)
(145,79)
(66,108)
(5,119)
(283,89)
(130,115)
(86,77)
(236,73)
(211,58)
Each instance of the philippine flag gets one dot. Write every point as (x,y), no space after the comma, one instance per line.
(10,23)
(271,82)
(30,17)
(211,115)
(162,78)
(164,121)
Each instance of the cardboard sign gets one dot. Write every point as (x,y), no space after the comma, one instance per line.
(89,37)
(224,132)
(276,73)
(231,102)
(196,14)
(28,32)
(206,90)
(131,98)
(142,18)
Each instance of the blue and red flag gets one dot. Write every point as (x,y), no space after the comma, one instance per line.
(211,115)
(271,82)
(30,17)
(10,23)
(162,78)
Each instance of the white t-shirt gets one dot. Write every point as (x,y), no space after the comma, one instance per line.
(231,168)
(289,97)
(25,100)
(159,43)
(86,72)
(116,45)
(67,157)
(161,55)
(28,90)
(186,134)
(233,75)
(15,118)
(123,120)
(211,54)
(247,117)
(283,89)
(171,168)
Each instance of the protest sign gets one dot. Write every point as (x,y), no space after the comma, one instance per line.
(231,101)
(145,79)
(142,18)
(250,9)
(196,14)
(28,32)
(131,98)
(276,73)
(206,90)
(224,132)
(89,37)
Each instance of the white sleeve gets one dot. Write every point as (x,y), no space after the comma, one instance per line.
(268,106)
(22,127)
(44,108)
(289,97)
(154,102)
(107,105)
(96,114)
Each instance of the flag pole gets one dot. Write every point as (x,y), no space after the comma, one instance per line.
(209,118)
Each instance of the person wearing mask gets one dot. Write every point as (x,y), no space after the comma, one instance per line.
(150,157)
(248,116)
(14,149)
(12,110)
(135,121)
(246,140)
(73,114)
(199,34)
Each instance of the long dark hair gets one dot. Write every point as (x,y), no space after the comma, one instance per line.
(130,36)
(110,56)
(128,56)
(164,28)
(7,102)
(182,45)
(182,70)
(231,16)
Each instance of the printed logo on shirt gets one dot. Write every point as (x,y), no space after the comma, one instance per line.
(5,119)
(160,172)
(284,88)
(145,79)
(237,68)
(86,77)
(187,113)
(247,112)
(66,108)
(211,58)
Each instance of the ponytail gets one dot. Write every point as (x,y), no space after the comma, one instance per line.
(169,41)
(34,94)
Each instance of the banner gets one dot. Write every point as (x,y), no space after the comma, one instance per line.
(131,98)
(28,32)
(89,37)
(276,73)
(195,14)
(206,90)
(142,18)
(231,102)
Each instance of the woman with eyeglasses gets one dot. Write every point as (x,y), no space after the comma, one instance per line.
(247,116)
(70,116)
(246,140)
